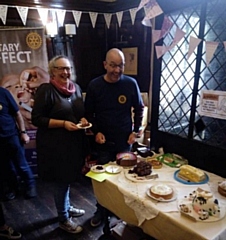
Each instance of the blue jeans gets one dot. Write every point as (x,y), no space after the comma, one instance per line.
(12,151)
(62,200)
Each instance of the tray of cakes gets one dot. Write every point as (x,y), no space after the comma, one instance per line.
(201,205)
(162,192)
(188,174)
(172,160)
(141,172)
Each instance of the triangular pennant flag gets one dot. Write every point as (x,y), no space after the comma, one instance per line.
(43,13)
(77,17)
(23,11)
(107,17)
(60,16)
(224,44)
(152,9)
(161,50)
(142,4)
(147,22)
(93,17)
(167,24)
(193,43)
(133,13)
(178,36)
(156,35)
(210,50)
(119,18)
(3,13)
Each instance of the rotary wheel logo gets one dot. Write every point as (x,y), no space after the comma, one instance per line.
(34,40)
(122,99)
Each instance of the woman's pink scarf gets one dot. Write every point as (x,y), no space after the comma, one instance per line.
(63,87)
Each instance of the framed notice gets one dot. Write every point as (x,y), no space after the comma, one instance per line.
(131,55)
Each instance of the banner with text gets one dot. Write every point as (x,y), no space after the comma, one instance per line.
(23,64)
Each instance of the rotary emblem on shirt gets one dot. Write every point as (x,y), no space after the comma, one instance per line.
(1,107)
(122,99)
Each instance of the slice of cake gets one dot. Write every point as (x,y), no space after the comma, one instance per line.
(222,188)
(161,191)
(193,174)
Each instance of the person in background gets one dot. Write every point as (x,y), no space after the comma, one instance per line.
(108,103)
(12,137)
(58,108)
(5,230)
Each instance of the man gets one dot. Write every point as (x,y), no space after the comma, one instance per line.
(12,135)
(108,104)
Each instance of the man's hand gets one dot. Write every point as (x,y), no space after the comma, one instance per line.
(100,138)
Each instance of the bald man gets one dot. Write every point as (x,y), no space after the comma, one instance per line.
(108,103)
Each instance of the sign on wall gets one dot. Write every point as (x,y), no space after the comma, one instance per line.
(213,104)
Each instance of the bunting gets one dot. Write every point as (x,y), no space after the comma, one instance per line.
(119,17)
(133,13)
(77,17)
(107,17)
(93,18)
(23,11)
(3,13)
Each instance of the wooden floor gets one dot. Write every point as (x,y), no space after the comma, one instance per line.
(37,218)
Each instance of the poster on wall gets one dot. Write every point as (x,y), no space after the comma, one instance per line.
(23,64)
(213,104)
(130,60)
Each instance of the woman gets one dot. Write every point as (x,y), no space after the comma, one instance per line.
(58,107)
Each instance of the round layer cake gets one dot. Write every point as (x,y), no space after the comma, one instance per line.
(161,191)
(222,188)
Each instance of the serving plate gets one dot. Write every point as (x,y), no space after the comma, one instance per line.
(174,197)
(176,177)
(195,216)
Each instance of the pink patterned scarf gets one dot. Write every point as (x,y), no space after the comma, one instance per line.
(63,87)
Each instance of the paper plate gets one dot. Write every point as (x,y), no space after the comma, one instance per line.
(79,125)
(98,169)
(113,169)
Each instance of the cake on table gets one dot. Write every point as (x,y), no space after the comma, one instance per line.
(161,191)
(126,159)
(190,173)
(222,188)
(142,169)
(203,204)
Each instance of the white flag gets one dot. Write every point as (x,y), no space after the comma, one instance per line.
(210,50)
(119,18)
(93,17)
(3,13)
(23,11)
(60,17)
(43,13)
(133,13)
(193,43)
(142,4)
(107,17)
(77,17)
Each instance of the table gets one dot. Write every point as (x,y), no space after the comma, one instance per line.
(128,200)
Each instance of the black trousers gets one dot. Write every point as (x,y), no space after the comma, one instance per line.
(2,218)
